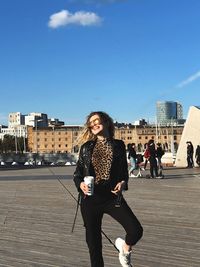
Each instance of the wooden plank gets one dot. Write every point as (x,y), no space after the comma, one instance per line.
(36,216)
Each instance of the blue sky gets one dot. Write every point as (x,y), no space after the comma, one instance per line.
(67,58)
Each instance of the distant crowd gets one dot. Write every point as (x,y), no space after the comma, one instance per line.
(153,154)
(190,155)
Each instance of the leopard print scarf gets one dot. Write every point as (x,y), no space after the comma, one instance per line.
(102,159)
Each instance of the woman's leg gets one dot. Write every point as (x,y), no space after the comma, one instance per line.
(92,218)
(155,167)
(127,219)
(151,168)
(132,161)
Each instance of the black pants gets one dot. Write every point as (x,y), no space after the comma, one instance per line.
(92,209)
(190,162)
(153,166)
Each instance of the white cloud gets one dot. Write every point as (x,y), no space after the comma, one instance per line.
(64,18)
(190,79)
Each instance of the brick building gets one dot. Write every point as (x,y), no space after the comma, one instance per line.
(62,138)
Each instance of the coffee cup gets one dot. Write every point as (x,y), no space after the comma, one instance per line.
(89,181)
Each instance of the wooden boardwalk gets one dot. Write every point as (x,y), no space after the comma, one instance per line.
(36,216)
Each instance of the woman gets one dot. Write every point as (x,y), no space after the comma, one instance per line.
(104,157)
(190,152)
(197,155)
(132,156)
(159,153)
(152,159)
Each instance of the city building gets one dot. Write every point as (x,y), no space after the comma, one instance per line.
(36,119)
(17,123)
(15,119)
(55,122)
(168,112)
(63,139)
(52,136)
(169,136)
(53,139)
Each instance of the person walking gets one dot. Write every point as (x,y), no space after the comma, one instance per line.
(197,155)
(190,152)
(104,158)
(132,156)
(146,156)
(152,159)
(159,153)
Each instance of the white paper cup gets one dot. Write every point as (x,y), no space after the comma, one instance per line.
(89,181)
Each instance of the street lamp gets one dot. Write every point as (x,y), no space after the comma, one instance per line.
(36,128)
(54,149)
(35,120)
(15,140)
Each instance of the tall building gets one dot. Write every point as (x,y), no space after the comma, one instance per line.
(15,119)
(36,119)
(168,112)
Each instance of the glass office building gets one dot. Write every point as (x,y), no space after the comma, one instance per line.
(168,112)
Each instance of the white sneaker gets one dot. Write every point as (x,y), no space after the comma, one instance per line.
(124,257)
(132,175)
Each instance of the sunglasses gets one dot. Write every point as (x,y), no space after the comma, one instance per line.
(93,123)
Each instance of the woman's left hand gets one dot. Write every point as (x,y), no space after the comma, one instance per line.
(119,187)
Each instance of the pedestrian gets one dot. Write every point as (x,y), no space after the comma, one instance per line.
(159,153)
(152,159)
(190,152)
(146,156)
(197,155)
(104,158)
(132,156)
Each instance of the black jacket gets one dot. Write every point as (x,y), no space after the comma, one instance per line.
(119,168)
(132,153)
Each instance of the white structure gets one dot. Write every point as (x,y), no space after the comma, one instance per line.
(15,119)
(191,132)
(36,119)
(17,123)
(18,130)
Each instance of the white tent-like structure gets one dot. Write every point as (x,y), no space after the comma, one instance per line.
(191,132)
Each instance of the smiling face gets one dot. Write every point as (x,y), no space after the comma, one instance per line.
(95,125)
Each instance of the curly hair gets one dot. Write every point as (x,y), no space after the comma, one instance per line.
(86,134)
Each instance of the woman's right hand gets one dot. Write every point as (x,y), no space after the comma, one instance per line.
(84,188)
